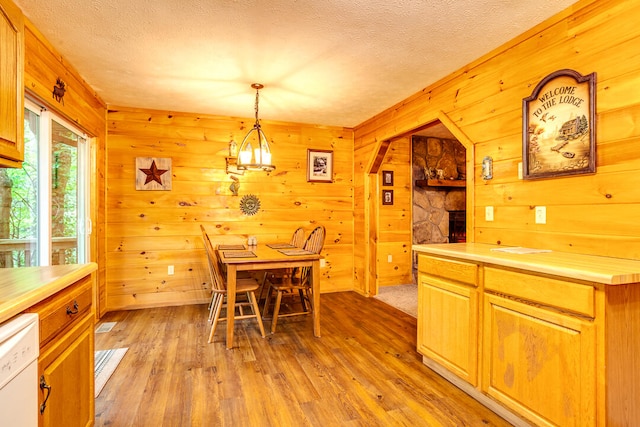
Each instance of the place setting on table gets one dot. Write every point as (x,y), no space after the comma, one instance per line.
(288,249)
(236,251)
(294,251)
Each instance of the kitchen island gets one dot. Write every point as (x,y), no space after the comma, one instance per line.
(551,337)
(62,296)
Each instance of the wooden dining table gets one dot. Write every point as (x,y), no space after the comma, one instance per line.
(265,258)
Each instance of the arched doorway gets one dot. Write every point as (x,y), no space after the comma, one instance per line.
(440,125)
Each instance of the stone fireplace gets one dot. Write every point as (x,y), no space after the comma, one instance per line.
(439,190)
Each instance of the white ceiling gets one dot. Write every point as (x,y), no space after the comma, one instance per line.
(330,62)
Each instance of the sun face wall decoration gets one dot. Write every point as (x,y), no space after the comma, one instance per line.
(249,204)
(153,173)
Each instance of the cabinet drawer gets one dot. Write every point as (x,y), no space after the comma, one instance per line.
(63,309)
(572,296)
(464,272)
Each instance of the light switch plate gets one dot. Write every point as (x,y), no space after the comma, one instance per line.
(541,214)
(170,270)
(520,170)
(488,213)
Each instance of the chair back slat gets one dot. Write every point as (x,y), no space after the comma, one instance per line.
(217,282)
(297,239)
(314,243)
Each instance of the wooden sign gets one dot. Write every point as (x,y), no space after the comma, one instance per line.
(153,173)
(558,128)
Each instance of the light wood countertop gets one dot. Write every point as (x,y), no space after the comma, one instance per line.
(21,288)
(599,269)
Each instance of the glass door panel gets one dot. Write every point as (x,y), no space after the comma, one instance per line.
(19,202)
(64,194)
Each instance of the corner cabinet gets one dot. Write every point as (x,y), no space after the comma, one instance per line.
(66,361)
(553,339)
(11,85)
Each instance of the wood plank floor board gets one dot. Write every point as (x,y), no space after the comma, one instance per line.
(363,371)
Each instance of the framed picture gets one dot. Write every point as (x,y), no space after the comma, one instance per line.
(319,165)
(387,197)
(558,126)
(387,178)
(153,173)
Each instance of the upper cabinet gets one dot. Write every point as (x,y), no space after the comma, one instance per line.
(11,85)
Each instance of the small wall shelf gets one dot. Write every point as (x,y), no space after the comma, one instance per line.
(441,183)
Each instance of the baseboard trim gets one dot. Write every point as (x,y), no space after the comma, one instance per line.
(491,404)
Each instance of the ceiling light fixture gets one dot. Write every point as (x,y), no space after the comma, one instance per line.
(254,152)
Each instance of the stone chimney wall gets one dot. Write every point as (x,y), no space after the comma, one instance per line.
(431,205)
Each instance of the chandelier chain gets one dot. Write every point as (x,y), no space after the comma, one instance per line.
(257,94)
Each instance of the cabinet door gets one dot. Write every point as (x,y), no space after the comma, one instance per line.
(539,362)
(67,368)
(11,84)
(448,325)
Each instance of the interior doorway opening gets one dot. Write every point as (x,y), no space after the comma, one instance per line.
(439,176)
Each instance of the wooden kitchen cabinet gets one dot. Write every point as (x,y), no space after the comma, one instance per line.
(448,313)
(539,363)
(66,361)
(558,335)
(11,85)
(540,344)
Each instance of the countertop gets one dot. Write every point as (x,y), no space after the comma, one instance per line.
(21,288)
(592,268)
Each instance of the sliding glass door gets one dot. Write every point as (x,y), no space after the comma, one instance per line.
(44,205)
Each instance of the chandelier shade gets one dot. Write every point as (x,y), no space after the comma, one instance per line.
(254,152)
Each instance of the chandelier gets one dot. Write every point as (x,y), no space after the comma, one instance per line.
(254,152)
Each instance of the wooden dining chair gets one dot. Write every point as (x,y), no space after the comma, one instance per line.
(296,283)
(246,286)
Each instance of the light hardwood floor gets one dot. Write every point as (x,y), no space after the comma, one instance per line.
(363,371)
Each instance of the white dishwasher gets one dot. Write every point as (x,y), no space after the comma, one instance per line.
(19,349)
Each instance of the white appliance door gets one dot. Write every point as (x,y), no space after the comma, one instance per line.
(19,349)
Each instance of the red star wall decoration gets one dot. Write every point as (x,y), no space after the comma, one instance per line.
(153,173)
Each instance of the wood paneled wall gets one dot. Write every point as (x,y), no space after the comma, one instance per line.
(149,230)
(43,66)
(394,221)
(590,214)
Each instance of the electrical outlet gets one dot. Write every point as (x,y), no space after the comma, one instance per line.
(323,262)
(170,270)
(488,213)
(541,214)
(389,258)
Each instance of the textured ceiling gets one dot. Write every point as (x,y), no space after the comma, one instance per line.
(330,62)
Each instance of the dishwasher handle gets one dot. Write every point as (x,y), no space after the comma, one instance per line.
(44,386)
